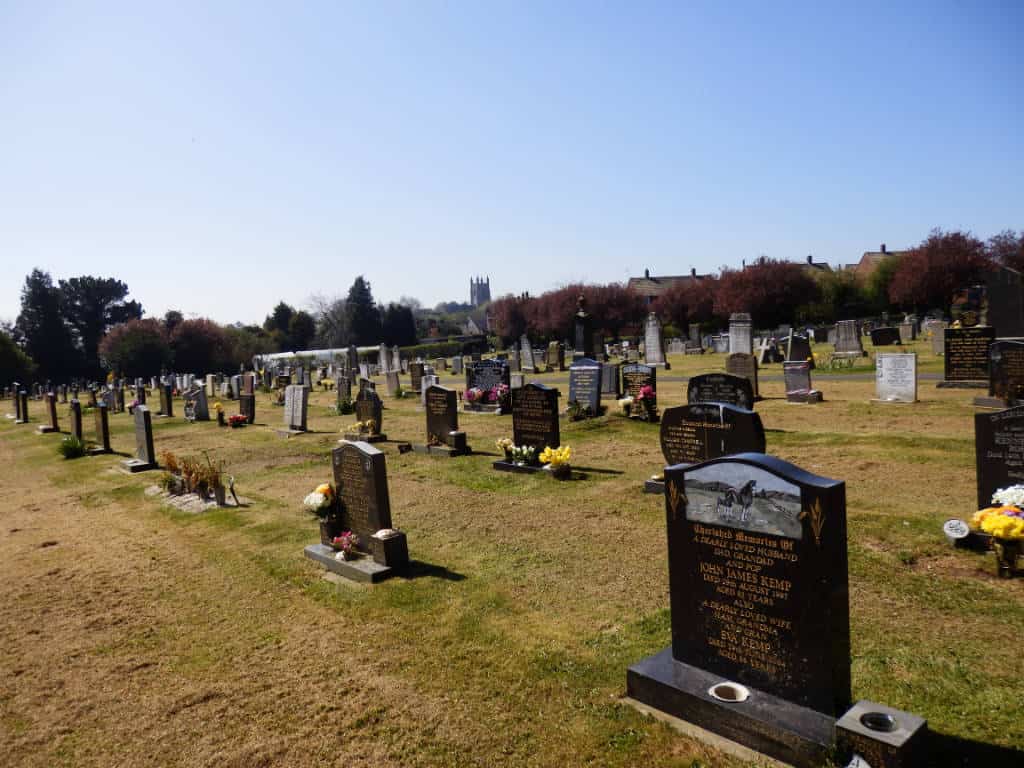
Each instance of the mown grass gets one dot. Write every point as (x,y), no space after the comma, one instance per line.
(530,597)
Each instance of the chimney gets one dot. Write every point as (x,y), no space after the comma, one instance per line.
(883,247)
(647,274)
(809,260)
(693,271)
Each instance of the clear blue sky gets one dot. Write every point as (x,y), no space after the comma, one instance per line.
(221,156)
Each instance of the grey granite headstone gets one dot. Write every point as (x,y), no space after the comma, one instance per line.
(296,401)
(741,334)
(654,350)
(848,338)
(145,456)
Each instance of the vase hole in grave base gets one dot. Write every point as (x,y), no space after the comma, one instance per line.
(878,721)
(730,693)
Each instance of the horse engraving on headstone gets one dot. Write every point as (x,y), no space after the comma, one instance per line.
(758,581)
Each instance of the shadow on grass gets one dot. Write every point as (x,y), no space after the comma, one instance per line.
(419,570)
(954,752)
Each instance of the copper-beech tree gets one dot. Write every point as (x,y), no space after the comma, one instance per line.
(772,291)
(929,275)
(692,301)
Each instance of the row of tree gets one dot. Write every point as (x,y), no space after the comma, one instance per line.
(83,326)
(774,292)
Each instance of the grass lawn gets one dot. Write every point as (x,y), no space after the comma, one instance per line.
(135,634)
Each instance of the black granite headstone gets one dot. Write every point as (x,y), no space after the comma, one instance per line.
(759,597)
(1006,372)
(720,388)
(360,475)
(966,353)
(487,374)
(369,407)
(535,417)
(998,451)
(703,431)
(442,409)
(585,384)
(75,413)
(247,407)
(416,375)
(636,376)
(102,428)
(885,336)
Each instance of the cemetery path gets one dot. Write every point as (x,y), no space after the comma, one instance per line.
(127,640)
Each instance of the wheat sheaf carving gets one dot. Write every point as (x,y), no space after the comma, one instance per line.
(675,497)
(817,517)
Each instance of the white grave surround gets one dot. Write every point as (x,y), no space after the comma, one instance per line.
(895,377)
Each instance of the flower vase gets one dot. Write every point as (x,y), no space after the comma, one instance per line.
(508,455)
(561,472)
(220,494)
(329,530)
(1007,552)
(220,418)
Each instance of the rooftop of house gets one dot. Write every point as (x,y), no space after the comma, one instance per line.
(652,285)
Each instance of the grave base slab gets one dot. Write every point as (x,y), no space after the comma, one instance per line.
(767,724)
(290,432)
(508,466)
(45,429)
(947,384)
(137,465)
(356,437)
(654,486)
(442,450)
(98,450)
(990,402)
(363,569)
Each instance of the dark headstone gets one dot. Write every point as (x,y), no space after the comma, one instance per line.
(970,306)
(535,416)
(610,380)
(759,596)
(799,349)
(720,388)
(51,412)
(247,407)
(966,353)
(702,431)
(1006,372)
(416,375)
(797,378)
(583,331)
(585,384)
(368,407)
(75,414)
(740,364)
(636,376)
(487,374)
(102,428)
(145,456)
(1005,292)
(885,336)
(442,409)
(998,451)
(360,475)
(22,407)
(166,400)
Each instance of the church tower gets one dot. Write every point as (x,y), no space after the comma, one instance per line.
(479,290)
